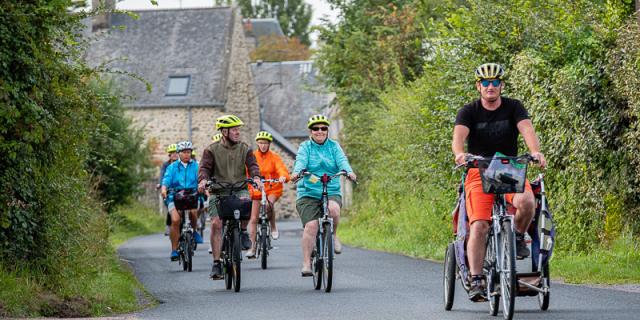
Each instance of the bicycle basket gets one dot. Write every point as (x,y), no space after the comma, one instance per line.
(503,174)
(186,199)
(228,204)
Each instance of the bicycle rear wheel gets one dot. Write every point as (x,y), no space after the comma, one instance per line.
(236,259)
(182,251)
(316,264)
(264,246)
(508,286)
(449,282)
(327,256)
(543,298)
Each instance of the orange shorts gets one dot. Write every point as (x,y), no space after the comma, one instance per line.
(480,204)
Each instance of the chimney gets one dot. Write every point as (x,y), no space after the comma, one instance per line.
(103,19)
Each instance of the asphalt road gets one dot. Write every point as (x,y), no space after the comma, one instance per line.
(367,285)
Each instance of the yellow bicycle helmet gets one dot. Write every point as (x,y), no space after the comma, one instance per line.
(228,121)
(489,71)
(318,118)
(216,137)
(264,135)
(172,148)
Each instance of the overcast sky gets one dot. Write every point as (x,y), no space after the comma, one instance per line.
(320,7)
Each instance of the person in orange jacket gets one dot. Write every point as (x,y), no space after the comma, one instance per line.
(271,167)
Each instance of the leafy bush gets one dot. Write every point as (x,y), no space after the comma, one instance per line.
(574,67)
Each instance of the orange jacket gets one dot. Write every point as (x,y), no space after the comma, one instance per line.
(271,167)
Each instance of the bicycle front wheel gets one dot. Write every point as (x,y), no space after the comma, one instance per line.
(327,256)
(316,264)
(492,275)
(236,259)
(188,242)
(203,223)
(226,261)
(264,246)
(508,287)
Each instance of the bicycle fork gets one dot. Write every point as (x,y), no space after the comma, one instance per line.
(498,234)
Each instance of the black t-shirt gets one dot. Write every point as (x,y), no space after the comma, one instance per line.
(492,131)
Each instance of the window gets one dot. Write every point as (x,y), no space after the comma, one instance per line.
(178,85)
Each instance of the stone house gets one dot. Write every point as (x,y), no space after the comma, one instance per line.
(197,64)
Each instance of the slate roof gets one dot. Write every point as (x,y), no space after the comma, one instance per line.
(289,93)
(164,43)
(264,27)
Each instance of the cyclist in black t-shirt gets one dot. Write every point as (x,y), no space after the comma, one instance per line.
(491,124)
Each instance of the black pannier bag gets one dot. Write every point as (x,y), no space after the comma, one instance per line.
(186,199)
(228,204)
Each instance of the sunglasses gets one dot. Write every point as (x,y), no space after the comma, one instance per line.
(494,82)
(319,128)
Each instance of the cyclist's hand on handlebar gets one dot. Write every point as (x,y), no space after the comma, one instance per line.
(538,156)
(461,158)
(163,192)
(258,182)
(202,185)
(352,176)
(282,179)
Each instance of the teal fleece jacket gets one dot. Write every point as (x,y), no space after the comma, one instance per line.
(319,159)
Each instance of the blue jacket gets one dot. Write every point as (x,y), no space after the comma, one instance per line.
(320,159)
(178,177)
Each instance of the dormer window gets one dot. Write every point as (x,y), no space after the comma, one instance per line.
(178,85)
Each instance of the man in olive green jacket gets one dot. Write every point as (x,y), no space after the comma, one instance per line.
(228,160)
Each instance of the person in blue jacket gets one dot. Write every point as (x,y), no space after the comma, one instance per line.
(318,155)
(180,175)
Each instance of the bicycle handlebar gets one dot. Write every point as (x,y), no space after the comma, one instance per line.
(471,161)
(305,173)
(270,180)
(229,185)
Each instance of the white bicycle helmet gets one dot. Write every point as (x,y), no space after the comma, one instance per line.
(184,145)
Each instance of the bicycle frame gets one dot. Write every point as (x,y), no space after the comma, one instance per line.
(325,219)
(263,218)
(498,216)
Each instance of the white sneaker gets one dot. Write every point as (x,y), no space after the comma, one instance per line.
(251,254)
(275,234)
(337,246)
(210,250)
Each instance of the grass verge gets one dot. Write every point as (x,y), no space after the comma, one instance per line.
(110,288)
(132,221)
(416,229)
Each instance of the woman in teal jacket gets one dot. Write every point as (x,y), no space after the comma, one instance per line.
(180,175)
(318,155)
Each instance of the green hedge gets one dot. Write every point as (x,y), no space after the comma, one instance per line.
(64,142)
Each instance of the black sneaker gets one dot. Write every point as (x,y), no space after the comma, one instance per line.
(521,246)
(216,271)
(477,292)
(244,239)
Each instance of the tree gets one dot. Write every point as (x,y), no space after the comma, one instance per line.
(294,16)
(277,48)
